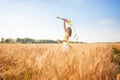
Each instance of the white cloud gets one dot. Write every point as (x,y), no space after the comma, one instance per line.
(107,21)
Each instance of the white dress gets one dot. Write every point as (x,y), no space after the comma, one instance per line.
(66,47)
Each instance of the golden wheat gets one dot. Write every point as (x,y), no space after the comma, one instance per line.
(48,62)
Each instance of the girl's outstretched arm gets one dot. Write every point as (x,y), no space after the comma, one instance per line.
(64,26)
(62,40)
(67,38)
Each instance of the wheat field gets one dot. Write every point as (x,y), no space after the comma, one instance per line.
(49,62)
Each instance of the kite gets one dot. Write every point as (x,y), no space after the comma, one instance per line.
(66,20)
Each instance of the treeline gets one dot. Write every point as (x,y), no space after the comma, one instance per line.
(30,40)
(26,40)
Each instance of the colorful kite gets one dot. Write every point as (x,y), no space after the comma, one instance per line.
(66,20)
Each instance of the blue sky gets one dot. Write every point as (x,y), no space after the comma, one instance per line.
(93,20)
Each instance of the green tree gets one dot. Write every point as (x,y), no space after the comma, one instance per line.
(9,40)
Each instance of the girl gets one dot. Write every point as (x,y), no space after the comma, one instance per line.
(68,33)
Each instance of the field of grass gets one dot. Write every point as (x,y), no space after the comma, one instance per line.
(48,62)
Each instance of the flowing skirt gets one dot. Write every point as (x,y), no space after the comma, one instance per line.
(66,47)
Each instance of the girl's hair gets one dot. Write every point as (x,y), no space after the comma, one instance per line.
(70,31)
